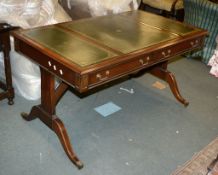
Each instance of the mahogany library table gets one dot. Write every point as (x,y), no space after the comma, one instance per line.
(87,53)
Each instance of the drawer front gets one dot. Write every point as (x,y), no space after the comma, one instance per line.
(188,45)
(139,63)
(83,82)
(180,48)
(119,70)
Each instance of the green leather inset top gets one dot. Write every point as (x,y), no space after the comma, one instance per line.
(89,41)
(120,33)
(69,46)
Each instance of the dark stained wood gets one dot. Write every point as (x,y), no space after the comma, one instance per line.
(5,48)
(61,132)
(161,72)
(60,90)
(153,58)
(46,113)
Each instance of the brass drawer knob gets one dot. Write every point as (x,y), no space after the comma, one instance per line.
(143,63)
(167,53)
(194,43)
(98,76)
(101,77)
(107,72)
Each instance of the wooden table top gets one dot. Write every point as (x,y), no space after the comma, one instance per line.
(93,44)
(89,41)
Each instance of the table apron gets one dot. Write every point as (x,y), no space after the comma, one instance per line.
(83,82)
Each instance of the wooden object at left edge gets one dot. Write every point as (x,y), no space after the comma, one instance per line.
(5,47)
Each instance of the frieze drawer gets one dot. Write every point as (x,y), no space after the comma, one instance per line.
(119,70)
(170,52)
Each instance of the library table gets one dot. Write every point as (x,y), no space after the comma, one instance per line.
(87,53)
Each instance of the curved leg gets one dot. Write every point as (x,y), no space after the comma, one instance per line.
(61,132)
(161,72)
(9,87)
(171,80)
(46,113)
(10,101)
(32,115)
(53,122)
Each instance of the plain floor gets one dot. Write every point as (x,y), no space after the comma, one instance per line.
(152,134)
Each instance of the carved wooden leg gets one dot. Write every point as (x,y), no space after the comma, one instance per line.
(161,72)
(46,113)
(10,100)
(61,132)
(10,89)
(32,115)
(6,52)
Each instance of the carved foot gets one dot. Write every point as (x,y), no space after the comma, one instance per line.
(32,115)
(10,92)
(61,132)
(10,101)
(171,80)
